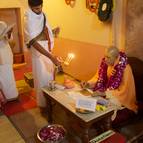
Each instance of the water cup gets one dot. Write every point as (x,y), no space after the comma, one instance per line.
(51,85)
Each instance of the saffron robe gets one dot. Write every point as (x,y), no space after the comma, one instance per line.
(125,93)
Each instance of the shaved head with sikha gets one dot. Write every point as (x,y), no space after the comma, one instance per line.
(111,54)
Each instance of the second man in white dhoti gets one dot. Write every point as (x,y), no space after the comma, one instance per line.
(7,80)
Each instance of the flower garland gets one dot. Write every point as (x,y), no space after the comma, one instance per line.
(115,80)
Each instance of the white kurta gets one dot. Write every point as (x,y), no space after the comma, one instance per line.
(42,67)
(7,79)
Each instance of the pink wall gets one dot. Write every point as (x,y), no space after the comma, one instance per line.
(87,57)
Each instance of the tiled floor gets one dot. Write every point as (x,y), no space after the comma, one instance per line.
(133,131)
(30,121)
(8,134)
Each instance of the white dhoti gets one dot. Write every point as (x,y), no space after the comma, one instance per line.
(42,67)
(7,82)
(43,70)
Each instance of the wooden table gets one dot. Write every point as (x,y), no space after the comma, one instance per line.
(85,121)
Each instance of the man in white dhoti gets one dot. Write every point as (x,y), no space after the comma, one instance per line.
(7,80)
(39,38)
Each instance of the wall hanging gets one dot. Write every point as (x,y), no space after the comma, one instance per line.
(70,2)
(92,5)
(105,9)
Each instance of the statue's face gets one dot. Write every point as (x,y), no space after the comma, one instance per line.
(37,9)
(110,59)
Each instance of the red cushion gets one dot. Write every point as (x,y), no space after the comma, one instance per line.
(115,138)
